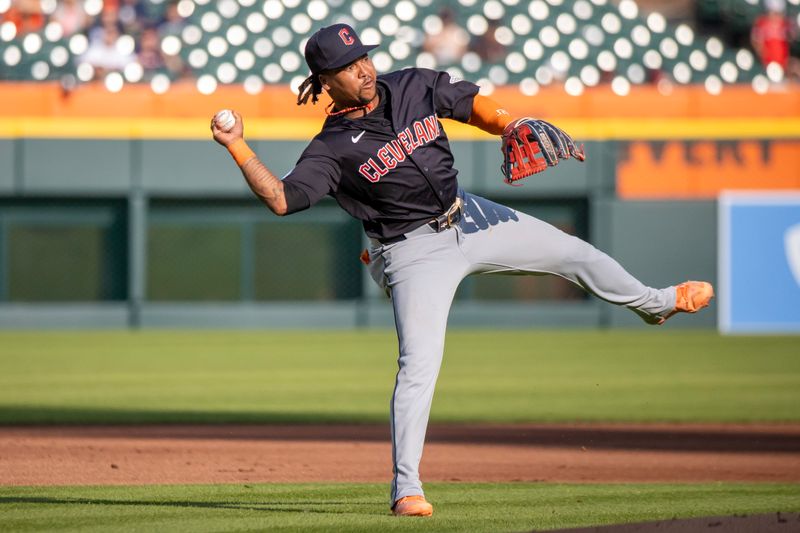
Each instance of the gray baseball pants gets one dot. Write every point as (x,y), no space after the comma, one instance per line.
(423,272)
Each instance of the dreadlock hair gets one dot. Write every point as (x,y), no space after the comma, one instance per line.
(310,88)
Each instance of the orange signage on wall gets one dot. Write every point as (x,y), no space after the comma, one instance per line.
(701,169)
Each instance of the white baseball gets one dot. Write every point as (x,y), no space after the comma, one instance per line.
(225,120)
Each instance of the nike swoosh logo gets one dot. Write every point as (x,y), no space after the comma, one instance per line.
(356,138)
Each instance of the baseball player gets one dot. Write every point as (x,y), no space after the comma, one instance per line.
(383,155)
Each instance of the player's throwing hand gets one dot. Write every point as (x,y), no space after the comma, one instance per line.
(226,138)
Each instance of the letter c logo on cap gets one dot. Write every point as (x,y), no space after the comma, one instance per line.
(345,36)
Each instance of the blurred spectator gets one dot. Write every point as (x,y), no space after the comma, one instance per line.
(487,47)
(153,59)
(26,15)
(71,16)
(172,23)
(772,33)
(103,53)
(131,16)
(150,55)
(449,45)
(108,17)
(175,66)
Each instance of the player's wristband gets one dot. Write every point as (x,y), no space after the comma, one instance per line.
(240,151)
(488,115)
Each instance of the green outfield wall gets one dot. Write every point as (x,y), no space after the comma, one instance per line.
(165,233)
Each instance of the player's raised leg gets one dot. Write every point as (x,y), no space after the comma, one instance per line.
(499,239)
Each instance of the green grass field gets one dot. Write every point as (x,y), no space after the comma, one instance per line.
(501,376)
(360,507)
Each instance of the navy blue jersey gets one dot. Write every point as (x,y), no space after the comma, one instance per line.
(393,168)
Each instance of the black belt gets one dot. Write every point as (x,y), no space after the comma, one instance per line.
(446,220)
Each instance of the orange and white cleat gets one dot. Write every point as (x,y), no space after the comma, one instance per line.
(412,506)
(690,297)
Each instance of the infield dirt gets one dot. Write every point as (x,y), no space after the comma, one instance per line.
(125,455)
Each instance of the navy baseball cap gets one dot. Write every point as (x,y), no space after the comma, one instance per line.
(333,47)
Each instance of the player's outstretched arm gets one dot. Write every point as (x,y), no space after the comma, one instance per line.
(528,145)
(261,181)
(488,115)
